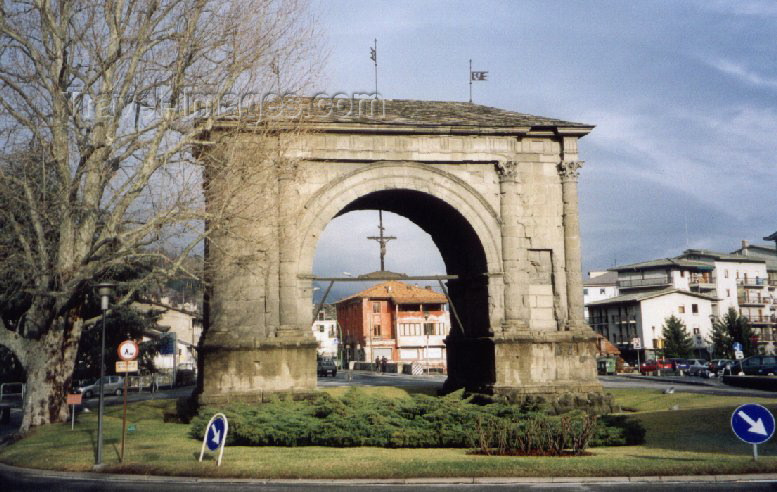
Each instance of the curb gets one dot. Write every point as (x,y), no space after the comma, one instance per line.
(109,477)
(660,379)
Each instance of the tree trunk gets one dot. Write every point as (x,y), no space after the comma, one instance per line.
(49,371)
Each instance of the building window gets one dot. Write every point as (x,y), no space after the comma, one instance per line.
(725,273)
(429,329)
(696,331)
(601,291)
(695,308)
(728,292)
(321,328)
(410,329)
(585,292)
(375,307)
(681,309)
(376,330)
(682,274)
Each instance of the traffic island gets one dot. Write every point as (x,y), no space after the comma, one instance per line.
(695,439)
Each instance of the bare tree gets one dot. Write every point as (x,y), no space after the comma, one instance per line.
(102,104)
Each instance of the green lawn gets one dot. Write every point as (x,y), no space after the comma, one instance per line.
(695,439)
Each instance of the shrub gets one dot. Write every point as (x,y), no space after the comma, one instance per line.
(421,421)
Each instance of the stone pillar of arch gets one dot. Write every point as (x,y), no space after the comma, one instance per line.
(514,244)
(568,171)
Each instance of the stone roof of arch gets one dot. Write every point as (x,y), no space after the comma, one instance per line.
(399,112)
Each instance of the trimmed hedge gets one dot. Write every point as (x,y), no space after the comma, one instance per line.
(421,421)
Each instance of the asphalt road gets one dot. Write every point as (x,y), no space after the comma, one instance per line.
(13,480)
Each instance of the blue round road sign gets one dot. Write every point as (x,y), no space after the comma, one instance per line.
(216,434)
(752,423)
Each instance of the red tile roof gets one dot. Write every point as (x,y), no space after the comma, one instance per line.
(399,292)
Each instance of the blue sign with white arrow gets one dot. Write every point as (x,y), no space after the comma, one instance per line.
(215,434)
(752,423)
(737,347)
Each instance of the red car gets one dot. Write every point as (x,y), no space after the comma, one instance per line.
(651,365)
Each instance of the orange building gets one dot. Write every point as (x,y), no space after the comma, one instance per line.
(401,322)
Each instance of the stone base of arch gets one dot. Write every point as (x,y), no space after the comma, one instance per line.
(549,365)
(256,370)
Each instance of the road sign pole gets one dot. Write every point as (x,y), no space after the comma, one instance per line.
(755,452)
(124,417)
(128,352)
(72,417)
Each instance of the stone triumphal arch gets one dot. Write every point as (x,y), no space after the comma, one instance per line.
(496,190)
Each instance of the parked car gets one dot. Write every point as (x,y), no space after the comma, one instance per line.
(111,385)
(326,367)
(679,364)
(652,365)
(697,367)
(718,366)
(760,365)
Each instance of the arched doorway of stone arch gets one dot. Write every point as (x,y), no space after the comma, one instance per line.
(468,347)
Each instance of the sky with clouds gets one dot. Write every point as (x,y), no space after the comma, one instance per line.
(683,95)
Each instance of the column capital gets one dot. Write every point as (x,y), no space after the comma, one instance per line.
(507,171)
(568,170)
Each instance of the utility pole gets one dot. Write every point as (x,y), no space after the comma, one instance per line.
(382,240)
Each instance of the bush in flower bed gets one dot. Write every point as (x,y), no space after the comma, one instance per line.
(420,421)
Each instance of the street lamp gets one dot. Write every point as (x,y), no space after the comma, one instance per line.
(104,290)
(426,332)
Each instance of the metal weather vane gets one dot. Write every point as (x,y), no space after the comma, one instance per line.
(479,76)
(382,240)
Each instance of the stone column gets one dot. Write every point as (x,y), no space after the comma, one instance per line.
(568,171)
(516,316)
(287,281)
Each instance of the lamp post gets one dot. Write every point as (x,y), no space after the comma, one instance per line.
(104,290)
(426,332)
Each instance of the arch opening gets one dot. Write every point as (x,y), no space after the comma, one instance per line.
(470,354)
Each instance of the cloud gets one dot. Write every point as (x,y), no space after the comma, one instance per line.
(742,73)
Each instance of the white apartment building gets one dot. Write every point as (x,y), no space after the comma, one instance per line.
(742,282)
(642,314)
(697,287)
(326,333)
(600,285)
(179,328)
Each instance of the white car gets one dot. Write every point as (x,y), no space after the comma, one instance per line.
(111,385)
(697,367)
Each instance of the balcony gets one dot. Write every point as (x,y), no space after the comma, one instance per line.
(637,283)
(753,283)
(752,301)
(701,282)
(761,320)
